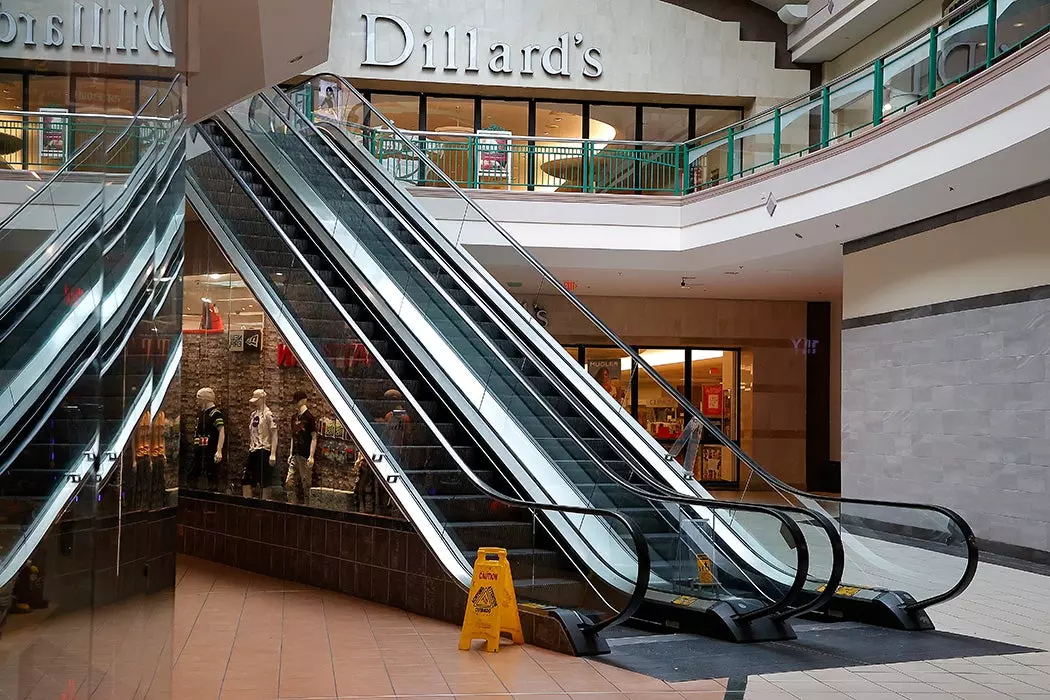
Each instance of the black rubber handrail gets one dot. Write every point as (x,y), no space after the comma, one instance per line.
(971,541)
(641,584)
(781,608)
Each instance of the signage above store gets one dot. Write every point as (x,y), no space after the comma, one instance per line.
(390,42)
(88,28)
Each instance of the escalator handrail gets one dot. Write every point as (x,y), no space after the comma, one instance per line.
(641,583)
(660,491)
(692,411)
(801,577)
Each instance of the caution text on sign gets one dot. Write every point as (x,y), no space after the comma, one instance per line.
(492,607)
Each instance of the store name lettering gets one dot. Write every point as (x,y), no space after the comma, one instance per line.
(90,26)
(556,60)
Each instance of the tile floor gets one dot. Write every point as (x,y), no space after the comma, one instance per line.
(240,636)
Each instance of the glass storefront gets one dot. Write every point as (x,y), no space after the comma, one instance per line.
(708,378)
(235,361)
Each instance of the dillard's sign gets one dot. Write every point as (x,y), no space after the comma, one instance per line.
(557,60)
(90,26)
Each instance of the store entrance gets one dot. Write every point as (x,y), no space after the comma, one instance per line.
(707,377)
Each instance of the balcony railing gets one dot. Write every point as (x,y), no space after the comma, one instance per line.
(942,56)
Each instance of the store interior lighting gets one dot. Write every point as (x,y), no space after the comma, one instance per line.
(657,358)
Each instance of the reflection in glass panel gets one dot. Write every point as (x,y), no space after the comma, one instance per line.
(111,96)
(51,94)
(11,134)
(617,171)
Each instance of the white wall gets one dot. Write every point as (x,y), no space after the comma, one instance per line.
(1002,251)
(645,46)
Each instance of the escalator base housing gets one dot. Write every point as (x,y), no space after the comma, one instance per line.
(887,609)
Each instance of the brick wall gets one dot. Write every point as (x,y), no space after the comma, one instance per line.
(955,409)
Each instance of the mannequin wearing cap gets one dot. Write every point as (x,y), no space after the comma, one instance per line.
(208,439)
(303,448)
(262,447)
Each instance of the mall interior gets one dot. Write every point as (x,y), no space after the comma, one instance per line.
(699,350)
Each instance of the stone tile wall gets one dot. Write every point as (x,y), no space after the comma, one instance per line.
(955,409)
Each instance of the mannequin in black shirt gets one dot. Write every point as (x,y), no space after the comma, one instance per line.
(303,447)
(208,440)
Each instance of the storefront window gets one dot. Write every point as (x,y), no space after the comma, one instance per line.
(504,161)
(11,135)
(667,124)
(709,121)
(453,120)
(402,110)
(713,392)
(658,411)
(611,368)
(616,165)
(558,162)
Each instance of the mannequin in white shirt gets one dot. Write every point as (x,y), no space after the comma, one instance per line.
(262,447)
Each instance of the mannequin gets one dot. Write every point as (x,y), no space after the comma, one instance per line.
(303,447)
(208,439)
(262,447)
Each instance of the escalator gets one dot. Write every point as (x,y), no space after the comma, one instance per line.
(344,326)
(900,558)
(68,307)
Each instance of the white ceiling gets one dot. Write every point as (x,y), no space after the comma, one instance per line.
(813,274)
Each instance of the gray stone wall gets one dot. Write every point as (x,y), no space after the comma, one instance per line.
(954,409)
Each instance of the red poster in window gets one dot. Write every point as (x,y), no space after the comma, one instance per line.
(712,401)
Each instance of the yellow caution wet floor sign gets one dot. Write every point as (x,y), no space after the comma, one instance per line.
(492,607)
(705,570)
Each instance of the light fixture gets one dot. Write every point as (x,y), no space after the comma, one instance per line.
(1018,24)
(280,274)
(660,358)
(215,275)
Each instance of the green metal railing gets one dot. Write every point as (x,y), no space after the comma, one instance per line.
(943,55)
(35,141)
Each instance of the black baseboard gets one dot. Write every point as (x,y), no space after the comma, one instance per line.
(1035,561)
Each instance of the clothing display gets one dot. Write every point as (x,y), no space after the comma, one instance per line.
(304,425)
(210,421)
(258,471)
(260,429)
(300,479)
